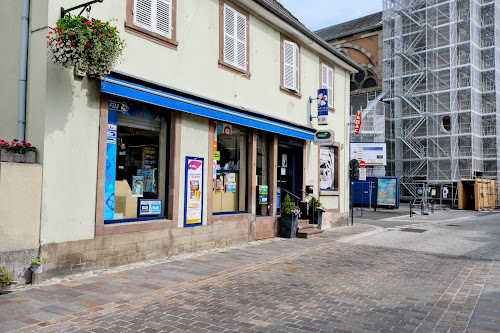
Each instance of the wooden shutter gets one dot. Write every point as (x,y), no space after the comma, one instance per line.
(327,82)
(288,65)
(330,87)
(235,38)
(296,67)
(154,15)
(164,18)
(143,13)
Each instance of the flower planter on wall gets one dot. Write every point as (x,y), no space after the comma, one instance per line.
(288,225)
(8,288)
(10,156)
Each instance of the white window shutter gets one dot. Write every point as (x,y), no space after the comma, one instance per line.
(241,41)
(330,87)
(296,67)
(143,13)
(229,33)
(154,15)
(289,65)
(235,38)
(163,18)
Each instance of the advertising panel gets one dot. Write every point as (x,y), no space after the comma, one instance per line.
(149,207)
(193,199)
(387,191)
(323,106)
(373,153)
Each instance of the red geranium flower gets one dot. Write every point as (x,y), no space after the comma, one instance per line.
(88,44)
(101,35)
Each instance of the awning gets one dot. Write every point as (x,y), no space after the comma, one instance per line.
(142,93)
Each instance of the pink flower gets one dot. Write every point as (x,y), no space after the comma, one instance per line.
(28,144)
(19,144)
(24,141)
(15,140)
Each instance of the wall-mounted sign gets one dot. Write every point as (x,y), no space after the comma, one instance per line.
(149,207)
(357,122)
(324,138)
(373,153)
(193,198)
(362,174)
(278,199)
(322,106)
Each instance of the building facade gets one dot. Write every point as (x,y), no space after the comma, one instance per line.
(190,143)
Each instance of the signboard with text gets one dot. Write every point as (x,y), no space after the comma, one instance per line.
(193,198)
(372,153)
(357,122)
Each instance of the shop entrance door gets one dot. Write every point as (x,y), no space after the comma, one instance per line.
(290,170)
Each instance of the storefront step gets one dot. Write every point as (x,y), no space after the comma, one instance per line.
(309,232)
(303,222)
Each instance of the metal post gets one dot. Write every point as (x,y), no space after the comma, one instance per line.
(411,208)
(422,208)
(362,197)
(352,205)
(441,197)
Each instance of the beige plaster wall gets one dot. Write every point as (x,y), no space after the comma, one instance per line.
(20,193)
(10,25)
(194,143)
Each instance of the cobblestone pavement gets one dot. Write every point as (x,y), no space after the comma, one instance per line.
(298,285)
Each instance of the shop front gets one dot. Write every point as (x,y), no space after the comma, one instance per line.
(247,161)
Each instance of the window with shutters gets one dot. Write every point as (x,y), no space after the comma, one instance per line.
(327,76)
(233,41)
(290,67)
(153,19)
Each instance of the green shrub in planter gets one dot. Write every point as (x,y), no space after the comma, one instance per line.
(92,45)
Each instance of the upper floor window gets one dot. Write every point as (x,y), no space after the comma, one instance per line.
(290,67)
(152,19)
(327,82)
(234,38)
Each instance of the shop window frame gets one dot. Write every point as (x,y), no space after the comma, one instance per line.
(169,221)
(337,182)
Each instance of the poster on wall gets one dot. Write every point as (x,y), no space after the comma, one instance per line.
(149,207)
(387,191)
(193,199)
(326,168)
(373,153)
(111,155)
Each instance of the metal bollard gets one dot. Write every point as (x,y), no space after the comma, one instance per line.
(411,208)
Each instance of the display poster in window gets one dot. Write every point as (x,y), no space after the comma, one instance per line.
(220,127)
(386,192)
(149,180)
(219,184)
(149,207)
(228,129)
(230,177)
(111,155)
(193,205)
(137,186)
(326,168)
(263,194)
(278,198)
(230,187)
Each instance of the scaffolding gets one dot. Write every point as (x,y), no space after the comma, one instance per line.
(441,64)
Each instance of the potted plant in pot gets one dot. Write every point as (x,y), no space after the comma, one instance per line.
(93,46)
(37,264)
(17,151)
(7,280)
(290,214)
(316,210)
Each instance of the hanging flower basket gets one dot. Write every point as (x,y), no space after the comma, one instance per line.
(92,45)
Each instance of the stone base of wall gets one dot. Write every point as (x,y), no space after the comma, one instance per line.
(21,261)
(105,251)
(333,220)
(265,227)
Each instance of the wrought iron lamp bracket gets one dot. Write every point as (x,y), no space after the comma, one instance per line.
(83,6)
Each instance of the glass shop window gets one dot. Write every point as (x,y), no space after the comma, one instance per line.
(135,168)
(230,168)
(263,146)
(328,169)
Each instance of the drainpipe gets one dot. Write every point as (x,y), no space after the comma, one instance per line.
(21,122)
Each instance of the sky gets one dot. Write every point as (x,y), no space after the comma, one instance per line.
(318,14)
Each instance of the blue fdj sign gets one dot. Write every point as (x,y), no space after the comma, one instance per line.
(150,207)
(278,198)
(322,106)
